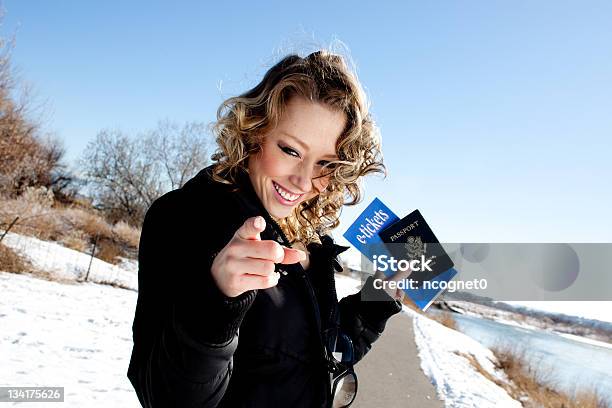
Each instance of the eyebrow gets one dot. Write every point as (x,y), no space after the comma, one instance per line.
(305,146)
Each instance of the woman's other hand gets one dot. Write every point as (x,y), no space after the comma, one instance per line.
(247,262)
(397,294)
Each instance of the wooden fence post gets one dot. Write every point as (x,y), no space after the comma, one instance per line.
(8,229)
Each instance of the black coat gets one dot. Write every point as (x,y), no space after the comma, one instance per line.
(195,347)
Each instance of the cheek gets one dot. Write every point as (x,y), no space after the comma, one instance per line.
(271,164)
(276,163)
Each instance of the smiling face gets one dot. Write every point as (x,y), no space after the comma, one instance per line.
(293,154)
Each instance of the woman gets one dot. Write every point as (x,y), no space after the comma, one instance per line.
(237,304)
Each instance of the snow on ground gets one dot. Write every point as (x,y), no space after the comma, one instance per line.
(455,379)
(77,336)
(66,263)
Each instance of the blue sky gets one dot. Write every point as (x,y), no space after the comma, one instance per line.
(496,116)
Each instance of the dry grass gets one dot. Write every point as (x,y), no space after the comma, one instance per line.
(78,243)
(10,261)
(76,227)
(445,318)
(89,223)
(108,251)
(531,386)
(36,218)
(51,277)
(127,234)
(114,284)
(480,369)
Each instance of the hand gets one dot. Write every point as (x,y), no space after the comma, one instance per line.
(397,294)
(247,262)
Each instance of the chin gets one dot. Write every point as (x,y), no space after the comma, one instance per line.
(281,212)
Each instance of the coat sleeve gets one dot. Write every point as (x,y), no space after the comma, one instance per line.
(364,314)
(185,330)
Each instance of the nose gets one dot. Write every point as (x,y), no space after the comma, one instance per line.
(302,178)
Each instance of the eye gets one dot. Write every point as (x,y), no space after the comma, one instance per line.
(289,151)
(326,168)
(327,164)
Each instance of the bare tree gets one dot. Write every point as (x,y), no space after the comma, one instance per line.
(181,151)
(28,157)
(126,174)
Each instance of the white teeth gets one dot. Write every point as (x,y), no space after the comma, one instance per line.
(286,195)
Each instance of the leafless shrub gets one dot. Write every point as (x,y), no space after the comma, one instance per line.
(126,174)
(36,215)
(29,156)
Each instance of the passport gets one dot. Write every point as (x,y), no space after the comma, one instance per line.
(411,238)
(378,231)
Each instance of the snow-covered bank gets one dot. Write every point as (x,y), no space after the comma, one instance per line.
(443,354)
(572,327)
(586,340)
(597,310)
(68,264)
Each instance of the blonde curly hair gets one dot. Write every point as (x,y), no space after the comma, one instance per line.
(243,121)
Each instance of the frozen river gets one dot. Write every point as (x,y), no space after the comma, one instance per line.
(569,363)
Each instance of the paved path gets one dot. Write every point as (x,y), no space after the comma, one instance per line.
(390,374)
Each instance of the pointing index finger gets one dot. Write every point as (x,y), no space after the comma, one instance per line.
(251,228)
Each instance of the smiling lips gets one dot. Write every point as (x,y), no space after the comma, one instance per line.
(287,196)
